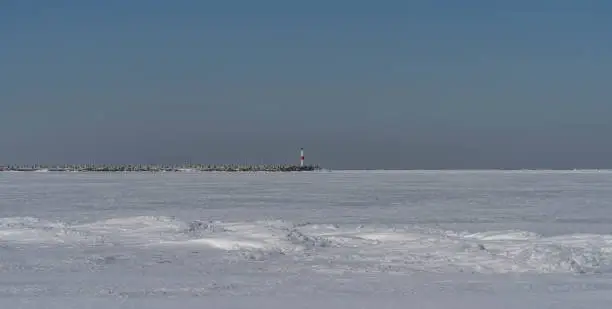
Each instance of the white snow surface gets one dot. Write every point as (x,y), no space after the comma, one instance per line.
(340,239)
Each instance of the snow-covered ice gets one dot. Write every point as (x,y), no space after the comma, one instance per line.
(376,239)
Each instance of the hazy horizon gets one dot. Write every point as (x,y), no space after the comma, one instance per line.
(420,85)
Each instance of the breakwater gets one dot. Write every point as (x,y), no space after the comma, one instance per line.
(159,168)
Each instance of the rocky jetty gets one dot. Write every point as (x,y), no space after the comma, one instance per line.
(159,168)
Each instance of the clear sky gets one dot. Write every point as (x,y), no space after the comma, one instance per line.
(358,84)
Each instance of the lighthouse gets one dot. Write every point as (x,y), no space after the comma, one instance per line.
(301,157)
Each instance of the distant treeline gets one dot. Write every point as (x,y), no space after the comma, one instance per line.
(160,168)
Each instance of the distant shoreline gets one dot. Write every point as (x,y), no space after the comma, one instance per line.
(160,168)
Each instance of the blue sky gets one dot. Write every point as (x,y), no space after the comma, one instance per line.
(359,84)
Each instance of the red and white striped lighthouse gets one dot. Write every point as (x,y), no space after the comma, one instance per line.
(301,157)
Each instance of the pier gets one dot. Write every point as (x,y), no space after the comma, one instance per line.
(159,168)
(162,167)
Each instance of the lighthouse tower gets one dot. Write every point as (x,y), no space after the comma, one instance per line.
(301,157)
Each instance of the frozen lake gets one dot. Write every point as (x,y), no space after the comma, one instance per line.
(418,239)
